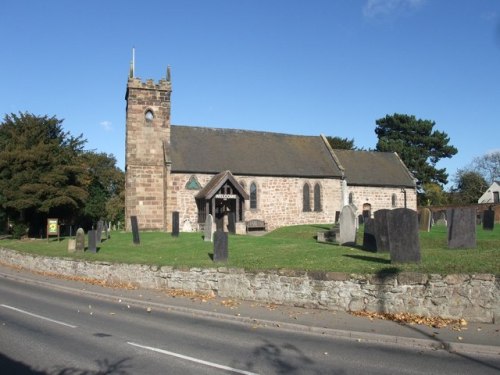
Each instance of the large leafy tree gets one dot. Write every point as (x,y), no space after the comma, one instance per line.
(338,143)
(469,186)
(39,169)
(418,145)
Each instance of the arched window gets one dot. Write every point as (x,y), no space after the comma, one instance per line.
(149,116)
(306,200)
(351,198)
(394,200)
(253,196)
(317,198)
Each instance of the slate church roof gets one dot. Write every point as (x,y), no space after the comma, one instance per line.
(372,168)
(255,153)
(243,152)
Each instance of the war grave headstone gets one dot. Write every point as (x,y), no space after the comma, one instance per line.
(92,235)
(489,219)
(99,229)
(381,230)
(369,239)
(220,246)
(208,234)
(71,245)
(425,220)
(175,223)
(135,230)
(404,241)
(347,226)
(461,228)
(80,240)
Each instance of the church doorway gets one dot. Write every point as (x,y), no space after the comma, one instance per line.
(224,199)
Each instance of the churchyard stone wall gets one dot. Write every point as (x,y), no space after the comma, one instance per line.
(472,297)
(279,199)
(381,198)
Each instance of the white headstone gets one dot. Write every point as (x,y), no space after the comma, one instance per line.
(347,226)
(209,228)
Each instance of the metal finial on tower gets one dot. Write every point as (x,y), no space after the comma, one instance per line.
(133,62)
(169,77)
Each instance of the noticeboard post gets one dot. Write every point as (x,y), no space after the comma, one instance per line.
(52,228)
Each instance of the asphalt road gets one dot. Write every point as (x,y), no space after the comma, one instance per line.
(46,330)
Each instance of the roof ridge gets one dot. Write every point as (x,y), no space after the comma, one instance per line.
(232,130)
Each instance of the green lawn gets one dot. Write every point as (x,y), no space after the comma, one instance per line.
(290,248)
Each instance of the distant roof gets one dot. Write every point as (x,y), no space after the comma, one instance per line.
(243,152)
(372,168)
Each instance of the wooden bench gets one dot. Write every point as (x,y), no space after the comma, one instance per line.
(256,224)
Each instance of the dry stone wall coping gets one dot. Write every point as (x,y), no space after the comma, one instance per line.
(474,297)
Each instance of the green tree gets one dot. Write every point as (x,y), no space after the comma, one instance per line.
(417,145)
(338,143)
(104,182)
(39,169)
(469,186)
(434,195)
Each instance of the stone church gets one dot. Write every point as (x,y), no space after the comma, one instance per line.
(271,178)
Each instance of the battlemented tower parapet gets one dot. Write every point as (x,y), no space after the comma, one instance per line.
(147,128)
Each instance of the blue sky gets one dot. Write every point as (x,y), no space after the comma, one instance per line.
(312,67)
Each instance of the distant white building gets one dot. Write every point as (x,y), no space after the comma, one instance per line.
(492,195)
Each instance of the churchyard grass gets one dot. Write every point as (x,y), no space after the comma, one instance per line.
(292,248)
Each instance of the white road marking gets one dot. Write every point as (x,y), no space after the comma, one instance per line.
(211,364)
(39,316)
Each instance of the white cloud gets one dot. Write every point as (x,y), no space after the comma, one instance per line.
(380,8)
(106,125)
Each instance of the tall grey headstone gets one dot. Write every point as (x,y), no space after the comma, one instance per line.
(220,246)
(347,226)
(461,228)
(404,241)
(381,230)
(92,241)
(425,219)
(369,240)
(209,228)
(231,222)
(100,227)
(489,219)
(135,230)
(80,240)
(175,224)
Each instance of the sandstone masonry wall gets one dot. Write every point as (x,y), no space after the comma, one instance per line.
(472,297)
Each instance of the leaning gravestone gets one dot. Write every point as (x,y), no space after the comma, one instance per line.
(425,220)
(381,230)
(100,225)
(369,240)
(92,241)
(220,246)
(209,225)
(347,226)
(175,223)
(80,240)
(461,228)
(135,230)
(404,242)
(489,219)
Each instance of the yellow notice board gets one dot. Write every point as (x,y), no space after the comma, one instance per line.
(52,228)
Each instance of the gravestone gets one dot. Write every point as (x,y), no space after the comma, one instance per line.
(175,223)
(381,230)
(337,216)
(220,246)
(489,219)
(99,229)
(361,219)
(92,241)
(187,226)
(209,228)
(80,240)
(441,219)
(461,228)
(231,222)
(135,230)
(71,245)
(347,226)
(425,220)
(404,242)
(369,240)
(106,231)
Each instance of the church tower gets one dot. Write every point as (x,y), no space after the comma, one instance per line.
(147,128)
